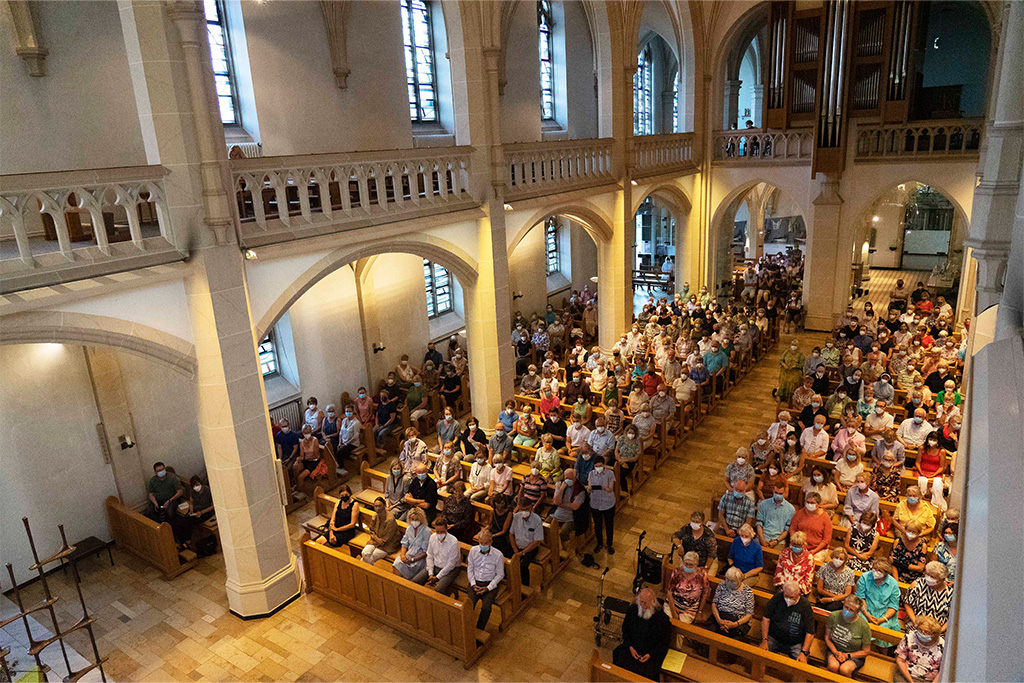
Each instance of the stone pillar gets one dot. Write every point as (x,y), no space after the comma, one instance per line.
(732,102)
(1010,316)
(824,263)
(234,425)
(992,215)
(757,112)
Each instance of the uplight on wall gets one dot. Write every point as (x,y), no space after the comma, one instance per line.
(875,219)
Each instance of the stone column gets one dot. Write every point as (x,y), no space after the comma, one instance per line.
(757,112)
(234,425)
(732,102)
(992,215)
(824,264)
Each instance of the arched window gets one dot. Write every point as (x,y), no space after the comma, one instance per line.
(268,355)
(419,60)
(675,103)
(547,68)
(220,57)
(439,289)
(643,95)
(551,245)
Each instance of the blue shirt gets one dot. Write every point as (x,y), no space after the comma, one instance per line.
(287,442)
(774,519)
(746,557)
(508,420)
(699,375)
(880,599)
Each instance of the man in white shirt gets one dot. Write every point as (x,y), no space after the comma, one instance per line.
(525,536)
(576,435)
(684,386)
(878,420)
(485,569)
(601,441)
(444,558)
(814,439)
(914,430)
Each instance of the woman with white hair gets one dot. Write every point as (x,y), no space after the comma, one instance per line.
(688,589)
(732,608)
(929,596)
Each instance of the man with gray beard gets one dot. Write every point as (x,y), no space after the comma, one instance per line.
(646,636)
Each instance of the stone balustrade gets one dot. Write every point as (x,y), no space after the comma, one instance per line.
(762,147)
(88,221)
(924,140)
(542,168)
(658,154)
(286,197)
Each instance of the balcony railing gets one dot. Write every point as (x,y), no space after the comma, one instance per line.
(658,154)
(933,139)
(84,220)
(540,168)
(762,147)
(284,197)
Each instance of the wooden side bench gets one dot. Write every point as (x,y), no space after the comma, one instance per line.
(151,542)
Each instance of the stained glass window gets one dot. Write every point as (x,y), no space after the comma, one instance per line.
(419,60)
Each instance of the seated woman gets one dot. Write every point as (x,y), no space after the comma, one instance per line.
(760,451)
(412,555)
(458,513)
(614,418)
(732,607)
(530,385)
(847,637)
(931,459)
(524,431)
(945,551)
(344,522)
(548,459)
(908,553)
(628,449)
(329,428)
(688,589)
(448,429)
(801,398)
(473,439)
(881,594)
(535,486)
(795,564)
(848,468)
(385,535)
(448,468)
(885,479)
(820,482)
(309,459)
(646,426)
(773,476)
(451,385)
(835,581)
(314,417)
(638,399)
(919,654)
(583,410)
(746,555)
(501,522)
(929,596)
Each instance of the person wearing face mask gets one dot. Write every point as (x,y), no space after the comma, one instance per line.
(919,654)
(914,430)
(364,406)
(329,430)
(422,492)
(601,440)
(663,406)
(473,441)
(344,520)
(732,607)
(929,596)
(385,536)
(946,550)
(780,429)
(859,499)
(883,388)
(313,416)
(936,380)
(549,401)
(795,564)
(485,569)
(443,559)
(414,451)
(287,443)
(576,435)
(847,636)
(479,478)
(530,384)
(396,485)
(803,395)
(200,502)
(416,399)
(571,509)
(501,481)
(687,589)
(820,482)
(879,420)
(458,513)
(534,486)
(861,542)
(836,580)
(412,552)
(525,431)
(508,416)
(448,468)
(761,452)
(735,508)
(740,468)
(448,428)
(309,458)
(887,442)
(349,428)
(549,460)
(745,554)
(525,536)
(450,386)
(716,359)
(164,489)
(386,418)
(500,443)
(601,487)
(774,515)
(787,626)
(848,440)
(908,555)
(931,460)
(912,508)
(881,595)
(848,468)
(697,537)
(791,365)
(816,525)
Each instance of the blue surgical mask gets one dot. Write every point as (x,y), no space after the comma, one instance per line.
(778,497)
(796,549)
(950,538)
(737,495)
(847,614)
(421,476)
(688,570)
(818,478)
(912,500)
(484,548)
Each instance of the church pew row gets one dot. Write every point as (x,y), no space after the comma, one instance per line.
(511,600)
(442,622)
(150,541)
(550,560)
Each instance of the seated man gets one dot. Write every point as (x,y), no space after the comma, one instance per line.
(914,430)
(500,443)
(814,440)
(878,421)
(787,626)
(416,399)
(485,568)
(451,385)
(576,388)
(575,435)
(422,492)
(287,443)
(433,355)
(556,427)
(525,535)
(774,516)
(646,637)
(601,440)
(164,490)
(886,443)
(735,509)
(663,406)
(386,417)
(444,559)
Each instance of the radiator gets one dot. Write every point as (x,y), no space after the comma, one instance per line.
(291,411)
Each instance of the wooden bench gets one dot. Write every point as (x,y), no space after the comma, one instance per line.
(151,542)
(437,620)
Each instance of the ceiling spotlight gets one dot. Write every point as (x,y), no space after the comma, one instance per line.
(250,255)
(508,207)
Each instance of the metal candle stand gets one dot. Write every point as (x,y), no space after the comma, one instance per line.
(85,623)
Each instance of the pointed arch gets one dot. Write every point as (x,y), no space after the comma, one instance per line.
(593,220)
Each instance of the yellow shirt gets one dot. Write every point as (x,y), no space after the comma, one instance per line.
(924,515)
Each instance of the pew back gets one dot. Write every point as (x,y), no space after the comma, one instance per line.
(146,539)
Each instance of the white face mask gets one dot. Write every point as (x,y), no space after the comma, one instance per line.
(414,524)
(932,581)
(741,461)
(162,473)
(745,540)
(599,468)
(837,563)
(761,442)
(811,507)
(534,471)
(864,528)
(695,525)
(791,601)
(197,488)
(772,471)
(877,574)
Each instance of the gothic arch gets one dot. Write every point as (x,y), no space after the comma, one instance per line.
(455,259)
(668,192)
(593,220)
(59,327)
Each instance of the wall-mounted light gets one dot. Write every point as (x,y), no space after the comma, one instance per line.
(508,207)
(633,183)
(378,347)
(875,219)
(250,255)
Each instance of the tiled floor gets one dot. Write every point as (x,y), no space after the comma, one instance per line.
(155,630)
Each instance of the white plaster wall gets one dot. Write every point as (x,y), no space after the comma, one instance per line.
(269,278)
(580,98)
(401,305)
(584,257)
(527,271)
(52,461)
(520,104)
(161,306)
(301,109)
(327,338)
(82,114)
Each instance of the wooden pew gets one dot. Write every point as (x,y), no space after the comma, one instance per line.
(601,671)
(437,620)
(148,540)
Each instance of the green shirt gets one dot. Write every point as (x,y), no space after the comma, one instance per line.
(163,489)
(414,397)
(848,637)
